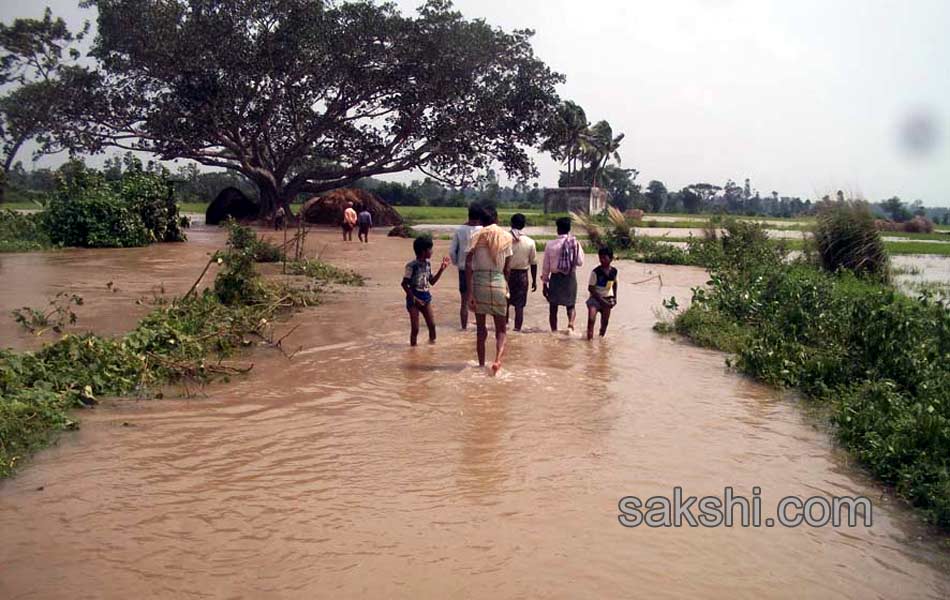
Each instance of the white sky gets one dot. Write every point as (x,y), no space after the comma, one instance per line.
(803,96)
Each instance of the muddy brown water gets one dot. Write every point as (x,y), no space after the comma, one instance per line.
(364,468)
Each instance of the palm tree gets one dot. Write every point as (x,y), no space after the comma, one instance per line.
(567,139)
(572,141)
(603,146)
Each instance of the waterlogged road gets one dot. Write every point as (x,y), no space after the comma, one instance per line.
(364,468)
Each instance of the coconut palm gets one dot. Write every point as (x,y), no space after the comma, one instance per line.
(567,140)
(603,146)
(572,140)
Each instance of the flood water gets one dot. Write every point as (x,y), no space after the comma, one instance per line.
(365,468)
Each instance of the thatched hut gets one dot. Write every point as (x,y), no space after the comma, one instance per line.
(231,202)
(328,208)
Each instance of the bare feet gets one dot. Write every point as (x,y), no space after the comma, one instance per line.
(495,367)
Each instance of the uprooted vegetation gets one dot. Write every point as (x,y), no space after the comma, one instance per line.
(190,339)
(878,360)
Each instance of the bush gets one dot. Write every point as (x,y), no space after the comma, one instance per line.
(149,196)
(903,440)
(710,329)
(919,225)
(94,219)
(878,358)
(22,232)
(238,282)
(243,239)
(88,211)
(846,237)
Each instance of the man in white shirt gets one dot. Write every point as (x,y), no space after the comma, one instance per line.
(458,249)
(524,256)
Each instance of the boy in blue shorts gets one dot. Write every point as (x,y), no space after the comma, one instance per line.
(416,282)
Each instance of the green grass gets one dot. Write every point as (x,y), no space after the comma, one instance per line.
(739,217)
(193,207)
(892,247)
(917,248)
(21,205)
(691,222)
(452,215)
(937,236)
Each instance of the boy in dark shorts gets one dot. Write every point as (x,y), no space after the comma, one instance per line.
(603,292)
(364,221)
(416,282)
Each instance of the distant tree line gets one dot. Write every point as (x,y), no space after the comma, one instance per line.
(430,192)
(729,198)
(194,185)
(897,210)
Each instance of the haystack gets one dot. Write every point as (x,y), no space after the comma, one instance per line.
(231,202)
(328,208)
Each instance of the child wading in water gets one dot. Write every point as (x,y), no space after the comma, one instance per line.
(416,283)
(603,292)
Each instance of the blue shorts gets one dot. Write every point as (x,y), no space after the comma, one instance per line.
(424,297)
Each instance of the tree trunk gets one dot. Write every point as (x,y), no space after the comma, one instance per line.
(272,197)
(269,197)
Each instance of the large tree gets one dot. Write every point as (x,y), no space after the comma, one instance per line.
(656,195)
(303,96)
(33,54)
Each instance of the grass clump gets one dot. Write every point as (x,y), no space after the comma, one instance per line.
(847,238)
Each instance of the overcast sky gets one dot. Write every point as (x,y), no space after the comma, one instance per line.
(802,96)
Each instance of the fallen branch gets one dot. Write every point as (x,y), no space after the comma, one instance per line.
(657,276)
(194,286)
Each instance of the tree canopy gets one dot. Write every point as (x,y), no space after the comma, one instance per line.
(571,139)
(303,96)
(35,52)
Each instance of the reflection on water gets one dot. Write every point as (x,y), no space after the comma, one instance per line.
(365,468)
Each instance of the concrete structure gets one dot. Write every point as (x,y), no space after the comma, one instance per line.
(590,200)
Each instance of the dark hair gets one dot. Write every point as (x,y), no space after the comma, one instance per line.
(605,251)
(421,244)
(518,221)
(475,212)
(489,215)
(563,225)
